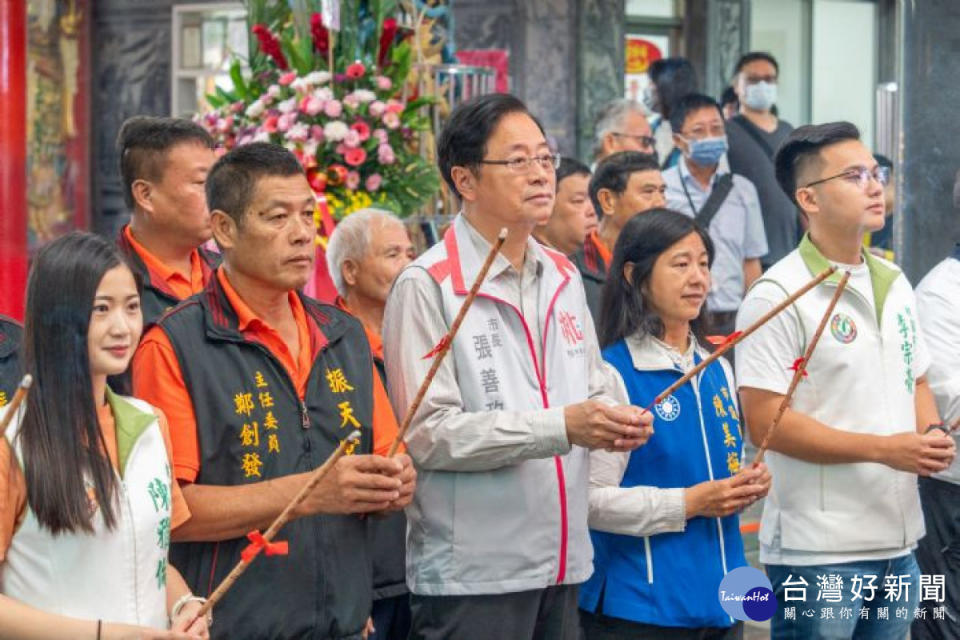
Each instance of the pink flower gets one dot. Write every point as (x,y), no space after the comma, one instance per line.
(393,106)
(384,84)
(286,121)
(316,132)
(273,91)
(270,123)
(362,129)
(225,124)
(287,78)
(311,105)
(385,154)
(355,157)
(391,119)
(381,135)
(237,106)
(333,108)
(377,108)
(352,139)
(356,70)
(351,101)
(341,148)
(353,180)
(298,133)
(373,182)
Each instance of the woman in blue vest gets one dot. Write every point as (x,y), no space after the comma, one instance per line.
(663,518)
(86,498)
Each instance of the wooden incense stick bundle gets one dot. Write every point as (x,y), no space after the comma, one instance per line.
(18,398)
(318,474)
(445,343)
(740,336)
(800,367)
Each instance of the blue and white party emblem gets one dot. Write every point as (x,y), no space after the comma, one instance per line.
(668,409)
(843,328)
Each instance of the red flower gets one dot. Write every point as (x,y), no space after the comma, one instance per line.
(362,128)
(355,157)
(270,46)
(356,70)
(387,35)
(270,124)
(321,37)
(336,174)
(317,179)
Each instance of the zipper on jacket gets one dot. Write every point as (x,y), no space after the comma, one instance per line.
(695,383)
(646,549)
(304,415)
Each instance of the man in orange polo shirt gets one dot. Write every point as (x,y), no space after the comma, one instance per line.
(163,165)
(260,385)
(366,253)
(624,184)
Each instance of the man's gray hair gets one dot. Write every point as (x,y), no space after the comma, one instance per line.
(350,239)
(610,119)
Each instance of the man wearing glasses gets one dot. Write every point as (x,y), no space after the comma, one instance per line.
(498,541)
(844,509)
(755,134)
(621,126)
(724,204)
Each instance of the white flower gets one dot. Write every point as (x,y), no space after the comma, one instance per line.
(273,91)
(298,132)
(261,136)
(300,85)
(287,106)
(335,130)
(365,95)
(318,77)
(310,147)
(255,110)
(323,94)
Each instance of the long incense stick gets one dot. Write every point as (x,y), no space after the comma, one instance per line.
(739,336)
(18,398)
(800,368)
(318,474)
(446,342)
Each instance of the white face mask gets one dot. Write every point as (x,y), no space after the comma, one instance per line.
(760,96)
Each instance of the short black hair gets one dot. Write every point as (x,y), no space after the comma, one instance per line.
(463,141)
(753,56)
(729,96)
(571,167)
(803,146)
(674,78)
(687,105)
(883,160)
(233,178)
(143,143)
(614,171)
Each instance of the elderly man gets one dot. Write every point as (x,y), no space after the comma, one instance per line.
(260,385)
(621,126)
(498,540)
(573,216)
(163,164)
(366,253)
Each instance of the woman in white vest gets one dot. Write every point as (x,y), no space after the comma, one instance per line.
(86,499)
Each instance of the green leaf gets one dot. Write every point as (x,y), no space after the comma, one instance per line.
(239,85)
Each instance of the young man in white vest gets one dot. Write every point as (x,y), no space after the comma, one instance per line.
(497,536)
(841,524)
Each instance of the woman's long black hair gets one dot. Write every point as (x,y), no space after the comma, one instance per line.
(624,309)
(60,436)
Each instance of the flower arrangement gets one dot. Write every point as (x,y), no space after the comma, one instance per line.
(336,100)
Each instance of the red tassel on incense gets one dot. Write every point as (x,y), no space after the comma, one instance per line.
(800,368)
(258,543)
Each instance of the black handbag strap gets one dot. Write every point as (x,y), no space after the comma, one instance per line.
(754,132)
(720,192)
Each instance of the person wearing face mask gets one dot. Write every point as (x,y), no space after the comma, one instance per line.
(724,204)
(754,136)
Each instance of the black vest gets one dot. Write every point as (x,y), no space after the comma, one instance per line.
(157,298)
(11,369)
(252,427)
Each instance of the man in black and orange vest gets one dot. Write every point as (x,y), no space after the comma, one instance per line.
(260,385)
(11,335)
(163,166)
(624,184)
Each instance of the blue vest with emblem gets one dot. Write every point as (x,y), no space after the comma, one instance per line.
(672,579)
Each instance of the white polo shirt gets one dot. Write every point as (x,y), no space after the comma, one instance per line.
(862,379)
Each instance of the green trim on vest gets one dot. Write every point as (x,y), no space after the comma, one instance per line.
(130,422)
(882,277)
